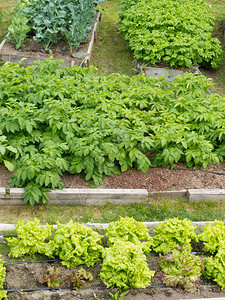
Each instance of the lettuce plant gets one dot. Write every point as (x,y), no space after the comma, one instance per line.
(75,244)
(181,268)
(125,266)
(173,232)
(213,237)
(31,238)
(3,294)
(215,268)
(129,230)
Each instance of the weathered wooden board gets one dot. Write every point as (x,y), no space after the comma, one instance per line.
(206,195)
(79,196)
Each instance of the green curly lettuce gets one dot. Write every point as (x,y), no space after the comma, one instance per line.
(125,266)
(213,237)
(31,238)
(173,232)
(75,244)
(129,230)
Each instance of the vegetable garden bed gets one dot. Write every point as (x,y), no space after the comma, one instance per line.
(33,51)
(161,257)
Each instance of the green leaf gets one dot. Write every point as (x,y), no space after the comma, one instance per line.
(9,165)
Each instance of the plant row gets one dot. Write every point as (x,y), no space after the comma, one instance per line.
(124,261)
(48,21)
(55,120)
(175,32)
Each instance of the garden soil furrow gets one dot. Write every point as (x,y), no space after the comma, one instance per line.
(27,276)
(156,179)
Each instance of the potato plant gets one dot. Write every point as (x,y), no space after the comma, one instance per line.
(175,32)
(55,120)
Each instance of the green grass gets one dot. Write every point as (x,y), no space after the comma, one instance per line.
(5,7)
(110,52)
(148,212)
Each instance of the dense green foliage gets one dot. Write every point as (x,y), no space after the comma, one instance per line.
(54,120)
(181,268)
(213,237)
(172,233)
(75,244)
(129,230)
(215,268)
(176,32)
(31,238)
(125,266)
(3,294)
(51,21)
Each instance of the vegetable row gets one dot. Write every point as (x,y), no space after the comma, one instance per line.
(55,120)
(50,21)
(175,32)
(124,261)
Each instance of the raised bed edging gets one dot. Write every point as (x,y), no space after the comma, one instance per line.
(87,197)
(84,197)
(149,225)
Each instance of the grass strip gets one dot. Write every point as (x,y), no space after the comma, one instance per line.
(145,212)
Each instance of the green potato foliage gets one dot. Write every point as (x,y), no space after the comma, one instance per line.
(124,266)
(129,230)
(175,32)
(55,120)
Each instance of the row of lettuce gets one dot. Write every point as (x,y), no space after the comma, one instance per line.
(175,32)
(55,120)
(124,260)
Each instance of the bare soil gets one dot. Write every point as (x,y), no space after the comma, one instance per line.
(27,275)
(156,179)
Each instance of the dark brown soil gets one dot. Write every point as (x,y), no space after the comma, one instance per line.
(28,276)
(156,179)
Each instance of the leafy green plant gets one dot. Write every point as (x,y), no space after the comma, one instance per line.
(118,296)
(213,237)
(215,268)
(76,279)
(181,268)
(55,120)
(31,238)
(19,29)
(75,244)
(129,230)
(51,21)
(3,294)
(51,277)
(174,32)
(173,232)
(124,266)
